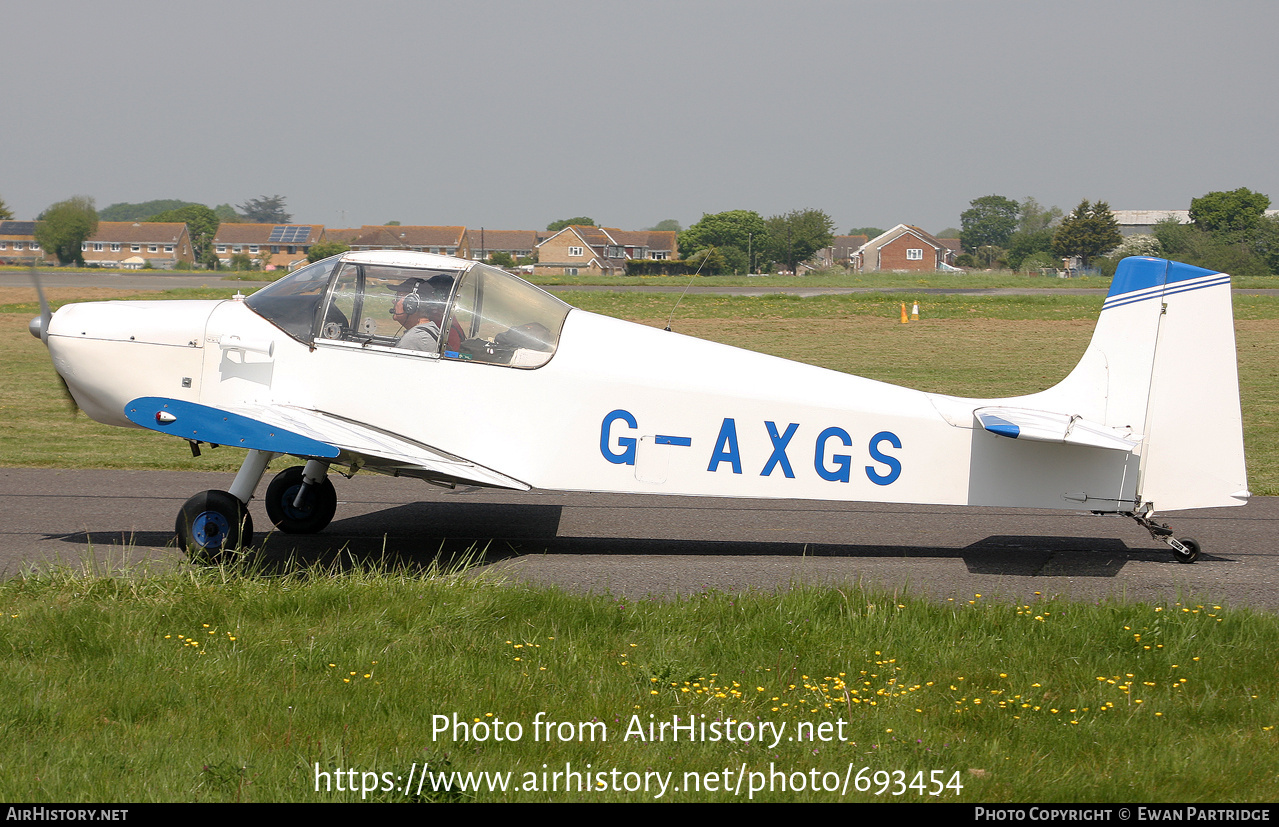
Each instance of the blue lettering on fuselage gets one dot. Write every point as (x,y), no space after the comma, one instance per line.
(829,462)
(778,457)
(843,462)
(627,443)
(726,448)
(894,464)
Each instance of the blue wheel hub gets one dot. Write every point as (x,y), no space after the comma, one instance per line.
(292,511)
(210,529)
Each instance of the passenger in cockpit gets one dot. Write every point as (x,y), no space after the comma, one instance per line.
(419,309)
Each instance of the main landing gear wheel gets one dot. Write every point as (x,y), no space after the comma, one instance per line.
(321,503)
(1191,554)
(213,523)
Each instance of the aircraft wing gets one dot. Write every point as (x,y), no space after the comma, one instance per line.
(1045,426)
(303,432)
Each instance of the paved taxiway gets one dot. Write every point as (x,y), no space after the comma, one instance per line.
(637,546)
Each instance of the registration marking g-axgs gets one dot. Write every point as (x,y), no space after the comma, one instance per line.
(620,434)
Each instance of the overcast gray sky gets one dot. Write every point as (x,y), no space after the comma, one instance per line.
(509,114)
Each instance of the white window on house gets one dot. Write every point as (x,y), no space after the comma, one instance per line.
(237,248)
(659,255)
(221,248)
(97,246)
(115,246)
(574,251)
(571,271)
(4,245)
(35,245)
(168,248)
(914,254)
(153,248)
(253,248)
(135,248)
(18,245)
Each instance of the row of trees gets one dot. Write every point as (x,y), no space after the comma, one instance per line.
(1228,231)
(742,241)
(269,209)
(1000,232)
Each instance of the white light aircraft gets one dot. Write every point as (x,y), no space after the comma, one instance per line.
(455,372)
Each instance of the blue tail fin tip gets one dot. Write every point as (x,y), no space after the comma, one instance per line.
(1140,273)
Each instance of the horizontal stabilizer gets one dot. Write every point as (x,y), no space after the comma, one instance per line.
(1044,426)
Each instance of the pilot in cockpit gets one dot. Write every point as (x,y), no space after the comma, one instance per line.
(419,309)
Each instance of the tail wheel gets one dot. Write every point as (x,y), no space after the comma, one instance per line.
(316,513)
(213,523)
(1191,554)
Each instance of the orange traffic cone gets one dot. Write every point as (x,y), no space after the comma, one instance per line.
(904,319)
(914,312)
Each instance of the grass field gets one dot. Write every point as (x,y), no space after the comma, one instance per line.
(225,685)
(230,684)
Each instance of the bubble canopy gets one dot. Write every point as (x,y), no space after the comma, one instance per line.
(446,308)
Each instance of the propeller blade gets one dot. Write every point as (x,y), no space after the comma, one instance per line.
(42,332)
(45,313)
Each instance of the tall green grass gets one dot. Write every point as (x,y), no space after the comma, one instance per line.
(225,684)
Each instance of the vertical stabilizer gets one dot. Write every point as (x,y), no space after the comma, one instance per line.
(1162,364)
(1193,454)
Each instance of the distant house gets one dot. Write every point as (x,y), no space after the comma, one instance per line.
(842,252)
(955,246)
(448,241)
(582,250)
(342,235)
(515,243)
(272,246)
(132,245)
(906,248)
(18,243)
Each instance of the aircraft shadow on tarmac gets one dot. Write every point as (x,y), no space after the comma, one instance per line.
(418,534)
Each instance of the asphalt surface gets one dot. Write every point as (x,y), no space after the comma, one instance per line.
(652,546)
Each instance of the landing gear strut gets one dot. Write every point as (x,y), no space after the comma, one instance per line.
(1186,550)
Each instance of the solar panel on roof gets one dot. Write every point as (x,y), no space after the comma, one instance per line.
(289,234)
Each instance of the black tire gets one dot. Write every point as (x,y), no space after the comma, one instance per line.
(212,524)
(1192,553)
(293,520)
